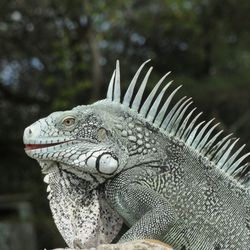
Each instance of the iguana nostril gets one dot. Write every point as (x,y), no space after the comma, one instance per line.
(28,132)
(33,131)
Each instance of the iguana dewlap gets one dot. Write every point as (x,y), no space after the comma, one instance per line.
(147,163)
(79,209)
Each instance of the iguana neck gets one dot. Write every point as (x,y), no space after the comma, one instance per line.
(79,210)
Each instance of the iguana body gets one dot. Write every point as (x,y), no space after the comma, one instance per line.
(164,175)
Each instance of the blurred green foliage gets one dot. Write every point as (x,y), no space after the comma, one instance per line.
(58,54)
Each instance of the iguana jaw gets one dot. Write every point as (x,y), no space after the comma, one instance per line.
(32,146)
(42,149)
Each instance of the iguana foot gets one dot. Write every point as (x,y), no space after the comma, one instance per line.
(131,245)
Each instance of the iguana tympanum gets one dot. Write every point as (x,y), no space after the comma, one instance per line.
(152,167)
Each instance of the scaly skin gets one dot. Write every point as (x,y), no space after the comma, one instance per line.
(79,208)
(162,186)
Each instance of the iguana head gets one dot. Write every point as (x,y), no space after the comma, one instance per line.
(81,140)
(100,139)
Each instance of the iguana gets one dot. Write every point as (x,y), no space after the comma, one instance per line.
(155,168)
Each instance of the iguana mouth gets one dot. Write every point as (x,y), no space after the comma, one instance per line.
(37,146)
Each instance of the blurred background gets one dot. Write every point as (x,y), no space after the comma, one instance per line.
(55,55)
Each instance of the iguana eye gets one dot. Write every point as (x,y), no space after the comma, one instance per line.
(69,121)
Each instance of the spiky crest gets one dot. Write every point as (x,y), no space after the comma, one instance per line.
(176,122)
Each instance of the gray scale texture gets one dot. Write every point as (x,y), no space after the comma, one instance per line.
(163,175)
